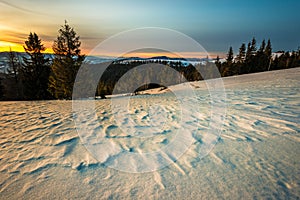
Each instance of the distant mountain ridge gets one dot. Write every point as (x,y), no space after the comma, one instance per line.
(100,59)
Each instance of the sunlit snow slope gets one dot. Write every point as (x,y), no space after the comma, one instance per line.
(256,156)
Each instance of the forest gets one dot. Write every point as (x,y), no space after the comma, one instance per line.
(38,77)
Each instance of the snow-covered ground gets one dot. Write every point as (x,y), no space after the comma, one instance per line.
(256,156)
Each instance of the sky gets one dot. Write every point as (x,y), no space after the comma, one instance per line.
(215,24)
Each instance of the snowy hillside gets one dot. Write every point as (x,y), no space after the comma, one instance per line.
(256,156)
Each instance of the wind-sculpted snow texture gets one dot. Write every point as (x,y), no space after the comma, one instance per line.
(256,156)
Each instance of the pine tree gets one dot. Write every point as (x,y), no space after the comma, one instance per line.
(228,66)
(253,47)
(229,58)
(268,49)
(66,63)
(248,53)
(261,59)
(262,47)
(268,53)
(35,70)
(250,61)
(242,54)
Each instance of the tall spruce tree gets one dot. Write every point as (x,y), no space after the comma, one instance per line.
(262,47)
(268,49)
(260,58)
(246,68)
(229,58)
(228,67)
(250,60)
(268,53)
(68,59)
(253,47)
(35,70)
(242,54)
(248,53)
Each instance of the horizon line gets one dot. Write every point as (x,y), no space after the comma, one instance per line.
(146,54)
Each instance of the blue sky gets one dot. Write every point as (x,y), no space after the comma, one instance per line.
(215,24)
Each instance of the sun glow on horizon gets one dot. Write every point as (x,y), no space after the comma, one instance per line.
(10,46)
(7,46)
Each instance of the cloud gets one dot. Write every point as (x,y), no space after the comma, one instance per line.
(20,8)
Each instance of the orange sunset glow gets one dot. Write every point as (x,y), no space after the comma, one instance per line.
(7,46)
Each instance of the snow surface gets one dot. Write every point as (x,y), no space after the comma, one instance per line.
(256,157)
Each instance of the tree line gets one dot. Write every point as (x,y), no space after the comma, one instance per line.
(252,59)
(36,77)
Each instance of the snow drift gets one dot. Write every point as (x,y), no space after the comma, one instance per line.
(256,156)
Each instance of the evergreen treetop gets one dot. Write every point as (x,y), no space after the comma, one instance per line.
(67,61)
(35,70)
